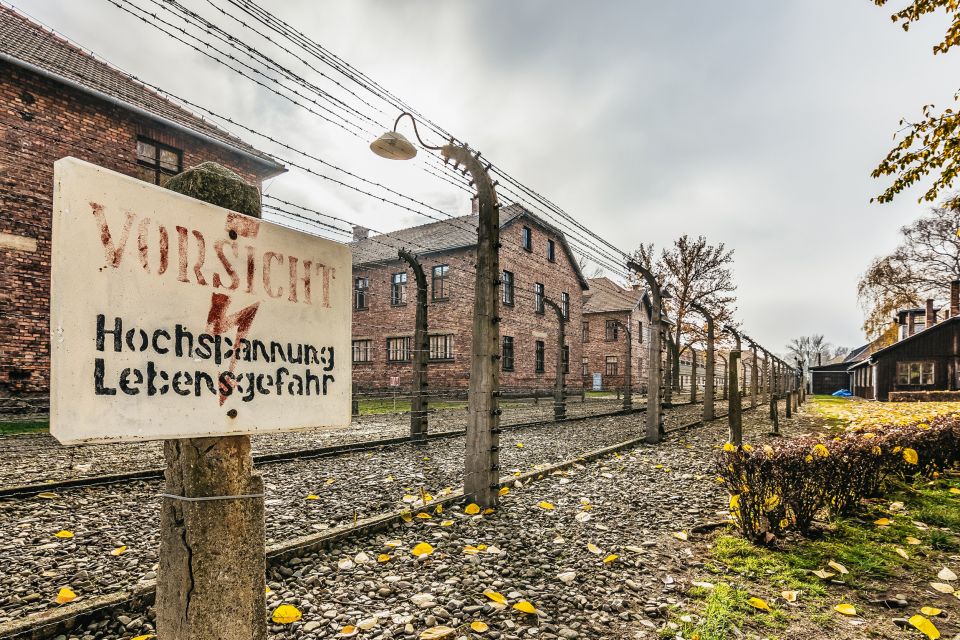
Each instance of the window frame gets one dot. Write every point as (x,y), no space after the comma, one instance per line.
(565,305)
(584,331)
(361,292)
(539,357)
(507,353)
(509,288)
(923,371)
(398,287)
(539,294)
(640,331)
(366,348)
(405,350)
(433,341)
(584,366)
(157,165)
(606,365)
(442,279)
(551,250)
(526,238)
(615,333)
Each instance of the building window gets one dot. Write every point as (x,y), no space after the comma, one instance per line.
(612,331)
(538,356)
(506,356)
(538,297)
(398,288)
(566,358)
(360,288)
(156,162)
(565,305)
(612,366)
(526,239)
(914,373)
(508,288)
(640,331)
(584,367)
(585,332)
(441,347)
(398,349)
(362,350)
(551,251)
(439,284)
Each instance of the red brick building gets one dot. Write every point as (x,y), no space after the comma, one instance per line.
(608,309)
(57,100)
(536,263)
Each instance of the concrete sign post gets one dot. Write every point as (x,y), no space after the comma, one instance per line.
(178,320)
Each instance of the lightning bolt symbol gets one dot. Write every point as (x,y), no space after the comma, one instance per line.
(219,322)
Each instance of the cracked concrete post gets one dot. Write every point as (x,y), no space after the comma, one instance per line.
(211,583)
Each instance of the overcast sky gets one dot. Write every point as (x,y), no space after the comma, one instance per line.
(754,123)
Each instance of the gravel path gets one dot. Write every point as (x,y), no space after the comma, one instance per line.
(358,484)
(38,458)
(638,500)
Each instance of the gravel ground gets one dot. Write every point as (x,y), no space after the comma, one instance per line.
(639,500)
(37,458)
(352,485)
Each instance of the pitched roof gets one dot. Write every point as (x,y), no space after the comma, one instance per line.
(920,335)
(29,45)
(606,295)
(446,235)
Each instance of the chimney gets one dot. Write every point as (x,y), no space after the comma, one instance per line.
(475,205)
(955,298)
(929,315)
(360,233)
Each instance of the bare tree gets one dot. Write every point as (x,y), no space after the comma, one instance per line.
(696,273)
(922,266)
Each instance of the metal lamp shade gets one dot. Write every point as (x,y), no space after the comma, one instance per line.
(393,146)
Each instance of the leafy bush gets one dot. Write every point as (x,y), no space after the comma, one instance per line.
(776,489)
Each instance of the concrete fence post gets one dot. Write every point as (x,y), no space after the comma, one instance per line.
(559,392)
(421,353)
(211,579)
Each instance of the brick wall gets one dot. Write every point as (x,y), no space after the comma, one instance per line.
(596,348)
(42,121)
(454,316)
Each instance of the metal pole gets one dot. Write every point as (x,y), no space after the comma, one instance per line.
(559,393)
(421,353)
(654,376)
(482,464)
(710,372)
(668,373)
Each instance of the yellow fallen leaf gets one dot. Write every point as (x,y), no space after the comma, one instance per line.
(439,509)
(525,607)
(65,595)
(146,637)
(64,534)
(610,558)
(757,603)
(499,598)
(348,630)
(471,509)
(901,553)
(438,632)
(422,549)
(286,614)
(267,590)
(384,557)
(46,495)
(790,596)
(728,447)
(330,481)
(312,497)
(488,511)
(519,445)
(823,575)
(954,490)
(471,550)
(846,609)
(882,522)
(820,451)
(912,540)
(406,516)
(836,566)
(925,627)
(592,548)
(930,611)
(910,456)
(947,574)
(119,551)
(503,491)
(393,544)
(446,523)
(548,506)
(941,587)
(424,516)
(680,535)
(478,626)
